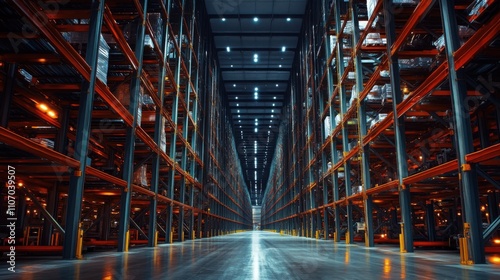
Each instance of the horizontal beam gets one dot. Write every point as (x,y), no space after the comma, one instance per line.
(432,172)
(484,154)
(29,58)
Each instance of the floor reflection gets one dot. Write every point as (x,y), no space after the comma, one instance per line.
(258,255)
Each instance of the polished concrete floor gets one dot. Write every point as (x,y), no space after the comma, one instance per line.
(255,255)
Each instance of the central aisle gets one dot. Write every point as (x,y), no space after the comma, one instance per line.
(257,255)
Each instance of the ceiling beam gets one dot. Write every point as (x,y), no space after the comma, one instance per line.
(244,49)
(227,81)
(255,34)
(259,106)
(263,69)
(250,16)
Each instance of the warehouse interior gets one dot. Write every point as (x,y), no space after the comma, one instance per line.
(137,123)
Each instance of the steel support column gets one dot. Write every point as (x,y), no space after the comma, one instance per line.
(175,119)
(8,92)
(310,202)
(77,178)
(194,143)
(106,221)
(336,194)
(325,195)
(430,221)
(399,127)
(363,130)
(128,165)
(185,135)
(159,129)
(468,174)
(333,146)
(204,131)
(345,131)
(192,234)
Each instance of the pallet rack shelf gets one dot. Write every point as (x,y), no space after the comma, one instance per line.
(354,178)
(141,154)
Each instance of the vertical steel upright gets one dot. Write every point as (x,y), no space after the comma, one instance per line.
(175,119)
(327,49)
(333,142)
(324,169)
(310,201)
(345,132)
(205,101)
(185,133)
(194,144)
(336,188)
(399,129)
(77,177)
(463,130)
(159,128)
(128,165)
(362,117)
(293,141)
(430,221)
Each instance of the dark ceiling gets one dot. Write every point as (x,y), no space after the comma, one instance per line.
(256,43)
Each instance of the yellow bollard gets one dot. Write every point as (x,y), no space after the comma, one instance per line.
(464,252)
(194,235)
(156,238)
(79,243)
(127,240)
(317,234)
(402,247)
(463,243)
(401,243)
(171,237)
(335,236)
(347,238)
